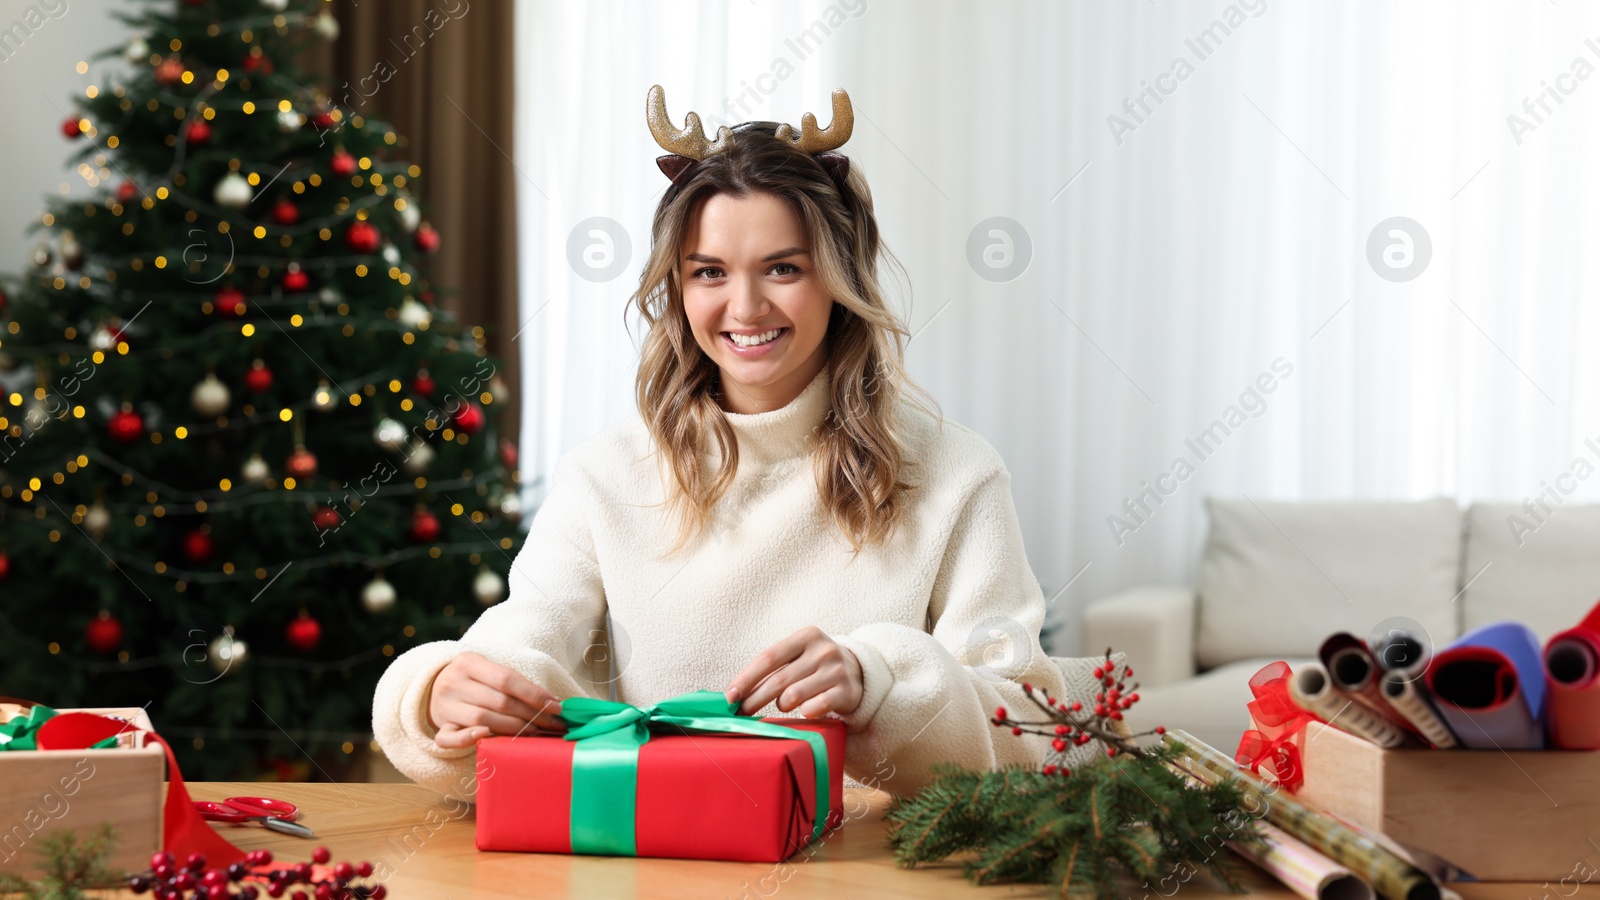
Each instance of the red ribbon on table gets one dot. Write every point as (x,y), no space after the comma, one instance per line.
(1280,724)
(183,830)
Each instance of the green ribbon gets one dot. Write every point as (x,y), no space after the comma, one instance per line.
(605,764)
(22,732)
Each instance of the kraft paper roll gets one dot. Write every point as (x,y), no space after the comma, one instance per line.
(1571,667)
(1312,690)
(1355,672)
(1489,687)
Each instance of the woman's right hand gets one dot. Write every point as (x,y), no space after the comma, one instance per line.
(474,697)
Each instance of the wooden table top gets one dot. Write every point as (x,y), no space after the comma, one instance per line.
(428,843)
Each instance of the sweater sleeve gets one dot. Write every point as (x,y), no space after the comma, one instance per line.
(553,615)
(928,697)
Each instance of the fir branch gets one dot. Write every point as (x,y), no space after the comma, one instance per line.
(72,865)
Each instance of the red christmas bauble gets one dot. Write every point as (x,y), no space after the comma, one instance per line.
(342,164)
(323,119)
(362,237)
(197,546)
(229,302)
(508,453)
(71,128)
(423,383)
(469,418)
(199,132)
(326,517)
(296,280)
(303,632)
(257,62)
(427,238)
(103,634)
(259,378)
(170,71)
(285,213)
(424,527)
(127,192)
(301,464)
(125,425)
(5,566)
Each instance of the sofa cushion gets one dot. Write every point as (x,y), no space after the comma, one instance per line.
(1212,706)
(1277,578)
(1540,569)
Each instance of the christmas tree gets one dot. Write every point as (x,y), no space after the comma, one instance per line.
(244,457)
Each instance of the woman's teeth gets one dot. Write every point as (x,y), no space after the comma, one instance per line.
(754,340)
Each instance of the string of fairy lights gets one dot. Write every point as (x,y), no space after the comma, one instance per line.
(382,186)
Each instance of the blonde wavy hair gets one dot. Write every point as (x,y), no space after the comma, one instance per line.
(859,457)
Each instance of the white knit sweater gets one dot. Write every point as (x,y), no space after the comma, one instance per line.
(953,583)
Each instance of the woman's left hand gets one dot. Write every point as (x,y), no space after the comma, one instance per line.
(805,671)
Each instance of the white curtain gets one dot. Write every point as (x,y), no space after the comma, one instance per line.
(1180,253)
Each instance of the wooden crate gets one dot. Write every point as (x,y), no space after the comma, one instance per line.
(45,791)
(1519,815)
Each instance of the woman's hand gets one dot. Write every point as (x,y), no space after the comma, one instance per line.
(474,697)
(805,671)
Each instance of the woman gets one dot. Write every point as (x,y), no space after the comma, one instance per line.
(779,519)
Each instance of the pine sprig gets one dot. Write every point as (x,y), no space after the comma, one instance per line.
(1129,817)
(73,865)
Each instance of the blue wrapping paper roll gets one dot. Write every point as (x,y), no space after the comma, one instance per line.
(1489,688)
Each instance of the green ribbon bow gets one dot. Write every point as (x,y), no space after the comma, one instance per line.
(605,764)
(22,732)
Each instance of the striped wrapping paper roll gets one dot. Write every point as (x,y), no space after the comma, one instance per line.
(1302,869)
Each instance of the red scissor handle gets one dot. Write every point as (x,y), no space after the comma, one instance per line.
(265,806)
(219,812)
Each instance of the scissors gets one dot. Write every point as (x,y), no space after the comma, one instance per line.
(277,815)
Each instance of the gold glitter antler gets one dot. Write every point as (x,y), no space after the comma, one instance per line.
(690,141)
(814,140)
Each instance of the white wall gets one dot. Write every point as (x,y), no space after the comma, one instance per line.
(38,79)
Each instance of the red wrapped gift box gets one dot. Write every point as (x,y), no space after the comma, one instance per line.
(699,796)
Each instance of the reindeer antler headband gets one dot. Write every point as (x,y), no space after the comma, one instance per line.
(687,145)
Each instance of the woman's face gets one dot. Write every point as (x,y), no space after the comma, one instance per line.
(753,299)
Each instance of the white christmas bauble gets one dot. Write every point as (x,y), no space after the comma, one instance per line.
(232,191)
(329,296)
(71,251)
(417,463)
(489,587)
(254,470)
(37,413)
(497,389)
(276,5)
(378,596)
(138,50)
(390,435)
(41,256)
(103,338)
(288,120)
(210,397)
(322,399)
(411,216)
(413,314)
(391,254)
(511,507)
(326,26)
(96,520)
(227,653)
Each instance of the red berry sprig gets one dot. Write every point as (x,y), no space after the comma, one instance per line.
(1072,725)
(167,880)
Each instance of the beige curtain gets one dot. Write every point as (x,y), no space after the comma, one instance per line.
(449,96)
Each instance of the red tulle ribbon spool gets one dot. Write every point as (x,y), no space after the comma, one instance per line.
(1275,741)
(183,830)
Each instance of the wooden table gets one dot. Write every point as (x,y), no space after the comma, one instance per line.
(428,844)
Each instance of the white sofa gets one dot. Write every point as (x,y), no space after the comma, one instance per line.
(1276,578)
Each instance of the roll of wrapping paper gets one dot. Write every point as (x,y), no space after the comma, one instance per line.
(1354,671)
(1312,690)
(1301,868)
(1410,698)
(1390,875)
(1489,688)
(1571,667)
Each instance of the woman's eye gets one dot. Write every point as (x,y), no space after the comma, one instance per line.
(786,266)
(699,272)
